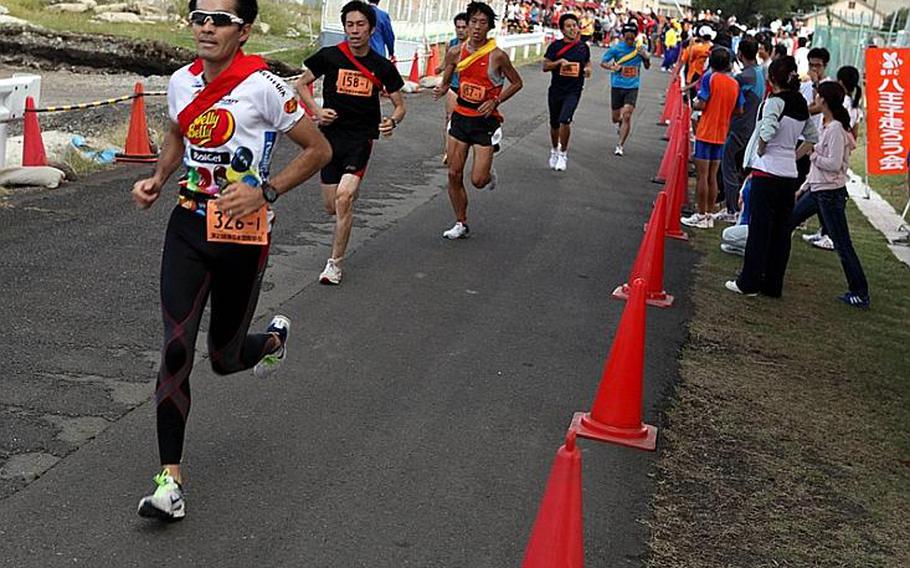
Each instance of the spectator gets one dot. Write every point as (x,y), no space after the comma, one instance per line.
(802,57)
(771,156)
(383,39)
(848,77)
(733,239)
(825,192)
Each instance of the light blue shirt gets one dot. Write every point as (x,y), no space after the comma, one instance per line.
(624,79)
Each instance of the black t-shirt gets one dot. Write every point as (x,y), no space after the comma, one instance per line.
(565,79)
(349,93)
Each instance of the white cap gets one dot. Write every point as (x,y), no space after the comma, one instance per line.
(706,31)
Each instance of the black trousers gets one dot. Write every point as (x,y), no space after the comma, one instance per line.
(192,271)
(768,245)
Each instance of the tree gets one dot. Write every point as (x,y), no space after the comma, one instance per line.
(747,11)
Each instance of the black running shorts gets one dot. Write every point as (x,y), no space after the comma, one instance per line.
(474,130)
(349,156)
(620,97)
(562,107)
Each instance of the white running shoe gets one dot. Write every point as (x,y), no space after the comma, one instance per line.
(697,221)
(331,274)
(458,231)
(824,242)
(167,502)
(809,237)
(554,153)
(732,286)
(726,217)
(618,150)
(561,161)
(271,362)
(494,179)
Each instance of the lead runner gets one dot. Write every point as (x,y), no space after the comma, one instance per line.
(226,114)
(482,71)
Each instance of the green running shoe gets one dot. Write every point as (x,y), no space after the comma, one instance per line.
(270,363)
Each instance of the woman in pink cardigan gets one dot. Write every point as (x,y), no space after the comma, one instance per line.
(825,188)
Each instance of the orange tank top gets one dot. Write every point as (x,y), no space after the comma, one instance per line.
(477,83)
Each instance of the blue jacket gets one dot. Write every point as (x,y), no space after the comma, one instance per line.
(383,39)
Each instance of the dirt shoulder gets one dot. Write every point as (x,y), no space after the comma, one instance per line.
(787,442)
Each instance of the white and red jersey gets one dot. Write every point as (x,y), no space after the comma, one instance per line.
(233,139)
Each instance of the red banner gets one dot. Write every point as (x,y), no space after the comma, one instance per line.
(887,98)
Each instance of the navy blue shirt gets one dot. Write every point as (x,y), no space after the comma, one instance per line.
(565,79)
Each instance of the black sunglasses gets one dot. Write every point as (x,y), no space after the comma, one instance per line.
(218,19)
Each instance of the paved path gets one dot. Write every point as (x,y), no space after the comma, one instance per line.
(418,415)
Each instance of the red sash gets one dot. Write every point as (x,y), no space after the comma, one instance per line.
(240,68)
(566,48)
(346,50)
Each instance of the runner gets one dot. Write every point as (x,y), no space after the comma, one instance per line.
(461,33)
(569,62)
(226,111)
(625,60)
(350,118)
(482,70)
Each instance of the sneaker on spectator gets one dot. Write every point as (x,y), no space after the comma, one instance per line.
(730,249)
(698,221)
(809,237)
(727,217)
(732,286)
(855,300)
(824,242)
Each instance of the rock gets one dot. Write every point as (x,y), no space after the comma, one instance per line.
(262,27)
(118,7)
(69,8)
(118,18)
(292,33)
(11,21)
(4,10)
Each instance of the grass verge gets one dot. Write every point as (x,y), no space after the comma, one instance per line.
(786,442)
(892,188)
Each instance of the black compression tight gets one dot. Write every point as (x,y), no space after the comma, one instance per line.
(192,269)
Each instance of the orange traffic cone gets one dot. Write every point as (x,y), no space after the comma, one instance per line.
(649,264)
(616,414)
(33,153)
(414,75)
(557,538)
(137,148)
(677,186)
(433,62)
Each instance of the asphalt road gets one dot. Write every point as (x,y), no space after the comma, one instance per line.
(416,419)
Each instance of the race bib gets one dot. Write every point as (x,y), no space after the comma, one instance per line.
(569,69)
(250,230)
(472,93)
(354,83)
(630,71)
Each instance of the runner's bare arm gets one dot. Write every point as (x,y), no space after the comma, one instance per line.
(505,67)
(146,191)
(323,115)
(589,69)
(389,123)
(551,65)
(242,199)
(645,57)
(451,59)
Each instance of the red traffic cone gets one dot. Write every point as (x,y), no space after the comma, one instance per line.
(414,76)
(137,147)
(649,264)
(33,153)
(671,129)
(677,185)
(667,163)
(671,101)
(616,414)
(557,538)
(433,62)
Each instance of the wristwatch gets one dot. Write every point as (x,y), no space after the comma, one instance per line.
(268,192)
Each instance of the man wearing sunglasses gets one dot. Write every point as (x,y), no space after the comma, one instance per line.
(227,112)
(350,117)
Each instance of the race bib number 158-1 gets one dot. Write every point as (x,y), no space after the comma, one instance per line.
(250,230)
(353,83)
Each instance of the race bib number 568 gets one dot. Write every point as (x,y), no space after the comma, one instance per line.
(250,230)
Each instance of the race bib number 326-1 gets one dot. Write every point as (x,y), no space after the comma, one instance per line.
(250,230)
(569,69)
(353,83)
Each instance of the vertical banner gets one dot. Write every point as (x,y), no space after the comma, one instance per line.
(887,98)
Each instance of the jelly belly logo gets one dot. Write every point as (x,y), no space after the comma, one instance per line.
(211,129)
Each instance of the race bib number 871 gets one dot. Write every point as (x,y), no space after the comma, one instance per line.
(472,93)
(353,83)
